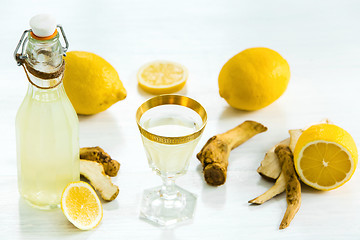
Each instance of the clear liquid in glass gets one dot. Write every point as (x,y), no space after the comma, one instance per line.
(170,121)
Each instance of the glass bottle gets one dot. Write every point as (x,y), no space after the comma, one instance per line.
(46,123)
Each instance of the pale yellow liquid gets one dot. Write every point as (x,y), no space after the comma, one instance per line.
(47,146)
(165,159)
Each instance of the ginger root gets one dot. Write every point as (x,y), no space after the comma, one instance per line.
(94,172)
(97,154)
(294,137)
(271,167)
(279,164)
(293,187)
(214,155)
(280,183)
(276,189)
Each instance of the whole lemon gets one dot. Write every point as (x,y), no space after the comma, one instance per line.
(91,83)
(254,78)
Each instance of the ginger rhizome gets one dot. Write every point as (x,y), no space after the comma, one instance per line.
(97,154)
(287,181)
(94,172)
(214,155)
(97,167)
(293,186)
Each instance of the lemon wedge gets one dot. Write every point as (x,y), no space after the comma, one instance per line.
(81,205)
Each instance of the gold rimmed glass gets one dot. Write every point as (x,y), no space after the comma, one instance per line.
(170,127)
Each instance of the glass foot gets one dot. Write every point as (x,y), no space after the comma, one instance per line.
(167,210)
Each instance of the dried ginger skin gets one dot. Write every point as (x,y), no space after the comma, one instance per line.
(270,166)
(111,166)
(293,186)
(215,153)
(276,189)
(280,183)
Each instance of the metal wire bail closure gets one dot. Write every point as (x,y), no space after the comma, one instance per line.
(21,57)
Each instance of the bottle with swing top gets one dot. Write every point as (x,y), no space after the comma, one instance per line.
(47,138)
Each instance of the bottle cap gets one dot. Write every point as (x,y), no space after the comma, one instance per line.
(43,25)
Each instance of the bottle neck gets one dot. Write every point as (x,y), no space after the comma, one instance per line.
(44,55)
(44,62)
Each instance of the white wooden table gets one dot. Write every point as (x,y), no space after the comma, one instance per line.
(320,40)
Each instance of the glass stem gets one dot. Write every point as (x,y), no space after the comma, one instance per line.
(168,190)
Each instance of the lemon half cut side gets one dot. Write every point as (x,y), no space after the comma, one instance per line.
(81,205)
(325,156)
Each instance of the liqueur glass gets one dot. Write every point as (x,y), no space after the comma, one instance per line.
(170,127)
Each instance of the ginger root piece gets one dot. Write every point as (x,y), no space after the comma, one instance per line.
(270,166)
(293,187)
(276,189)
(97,154)
(215,153)
(280,183)
(294,137)
(94,172)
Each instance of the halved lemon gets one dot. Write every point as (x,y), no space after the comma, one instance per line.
(325,156)
(81,205)
(161,77)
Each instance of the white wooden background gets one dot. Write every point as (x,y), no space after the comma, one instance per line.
(319,39)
